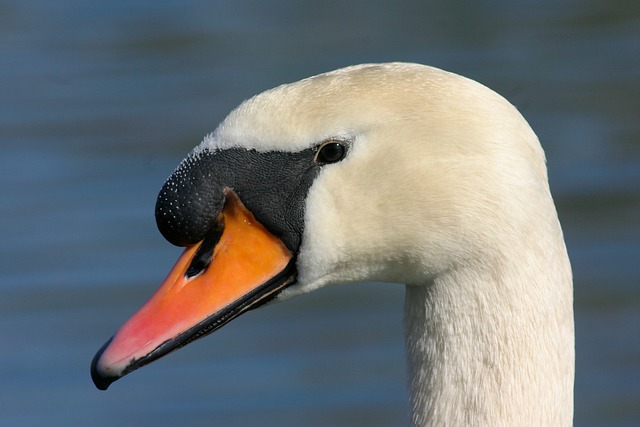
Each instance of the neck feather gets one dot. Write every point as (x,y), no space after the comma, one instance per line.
(493,346)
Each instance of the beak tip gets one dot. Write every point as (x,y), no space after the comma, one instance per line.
(101,379)
(101,383)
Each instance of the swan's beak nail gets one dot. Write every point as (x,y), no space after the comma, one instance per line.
(246,266)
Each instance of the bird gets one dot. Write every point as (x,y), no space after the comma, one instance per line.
(392,172)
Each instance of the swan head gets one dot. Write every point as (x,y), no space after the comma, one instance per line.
(380,172)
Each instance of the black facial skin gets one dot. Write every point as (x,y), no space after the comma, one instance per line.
(272,185)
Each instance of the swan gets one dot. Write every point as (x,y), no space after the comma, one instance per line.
(392,172)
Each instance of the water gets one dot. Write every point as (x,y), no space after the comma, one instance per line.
(100,100)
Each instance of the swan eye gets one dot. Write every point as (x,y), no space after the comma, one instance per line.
(331,152)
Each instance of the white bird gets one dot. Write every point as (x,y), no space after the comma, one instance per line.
(379,172)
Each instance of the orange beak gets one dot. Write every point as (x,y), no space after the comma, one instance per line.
(211,283)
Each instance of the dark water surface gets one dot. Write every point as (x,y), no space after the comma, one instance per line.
(100,100)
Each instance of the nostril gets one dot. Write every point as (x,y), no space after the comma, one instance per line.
(204,254)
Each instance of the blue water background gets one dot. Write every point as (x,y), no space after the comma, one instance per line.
(99,101)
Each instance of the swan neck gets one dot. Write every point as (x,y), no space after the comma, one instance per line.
(492,348)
